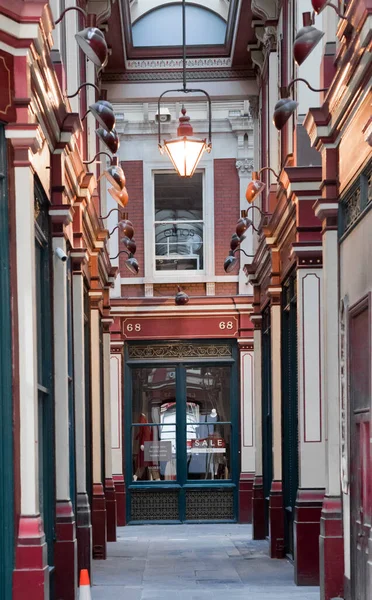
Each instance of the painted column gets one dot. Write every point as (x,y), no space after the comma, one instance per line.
(65,548)
(31,574)
(83,514)
(258,501)
(276,493)
(311,435)
(247,437)
(331,531)
(116,391)
(110,493)
(98,502)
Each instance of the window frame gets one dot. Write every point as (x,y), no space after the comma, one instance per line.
(179,272)
(150,274)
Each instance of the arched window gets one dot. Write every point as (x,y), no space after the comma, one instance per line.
(163,27)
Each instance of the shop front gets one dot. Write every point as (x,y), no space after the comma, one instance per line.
(181,431)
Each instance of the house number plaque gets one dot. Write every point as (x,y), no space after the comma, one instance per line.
(193,327)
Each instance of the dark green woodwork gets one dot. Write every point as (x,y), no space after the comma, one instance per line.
(88,406)
(45,371)
(71,396)
(289,408)
(183,486)
(267,436)
(6,396)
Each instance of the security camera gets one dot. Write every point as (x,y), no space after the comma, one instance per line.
(60,254)
(164,116)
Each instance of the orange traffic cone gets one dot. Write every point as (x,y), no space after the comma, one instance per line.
(84,592)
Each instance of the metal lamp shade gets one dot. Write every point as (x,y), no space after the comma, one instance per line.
(185,153)
(92,42)
(116,177)
(121,198)
(282,111)
(230,263)
(130,244)
(181,298)
(109,138)
(103,114)
(235,241)
(254,188)
(306,40)
(241,227)
(318,5)
(132,265)
(127,228)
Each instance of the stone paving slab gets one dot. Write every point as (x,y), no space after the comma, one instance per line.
(193,562)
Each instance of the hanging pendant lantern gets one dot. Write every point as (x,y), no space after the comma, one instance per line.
(185,151)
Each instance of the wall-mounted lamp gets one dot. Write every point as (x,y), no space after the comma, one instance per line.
(185,151)
(103,112)
(232,260)
(109,138)
(181,298)
(306,39)
(256,186)
(319,5)
(131,263)
(113,173)
(91,39)
(285,108)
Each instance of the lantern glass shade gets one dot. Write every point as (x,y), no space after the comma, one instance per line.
(185,153)
(254,188)
(230,263)
(92,42)
(120,197)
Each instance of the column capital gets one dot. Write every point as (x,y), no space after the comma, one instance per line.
(308,254)
(257,322)
(244,166)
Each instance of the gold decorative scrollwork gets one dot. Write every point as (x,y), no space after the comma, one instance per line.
(160,351)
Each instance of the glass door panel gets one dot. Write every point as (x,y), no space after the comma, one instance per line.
(154,424)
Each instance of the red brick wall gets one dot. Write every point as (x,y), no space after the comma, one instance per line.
(132,291)
(226,208)
(227,289)
(170,289)
(133,170)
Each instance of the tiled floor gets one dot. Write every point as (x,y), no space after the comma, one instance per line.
(193,562)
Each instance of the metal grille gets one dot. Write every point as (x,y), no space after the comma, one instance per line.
(204,505)
(159,505)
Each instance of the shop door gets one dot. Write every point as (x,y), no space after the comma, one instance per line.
(360,480)
(183,443)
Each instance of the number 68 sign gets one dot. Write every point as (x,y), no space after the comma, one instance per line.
(182,327)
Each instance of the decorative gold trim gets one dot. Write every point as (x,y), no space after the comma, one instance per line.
(9,90)
(160,351)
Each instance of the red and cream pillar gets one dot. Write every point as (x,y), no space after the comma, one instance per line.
(116,371)
(331,530)
(311,434)
(31,573)
(247,441)
(83,512)
(258,500)
(65,548)
(276,517)
(99,528)
(110,493)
